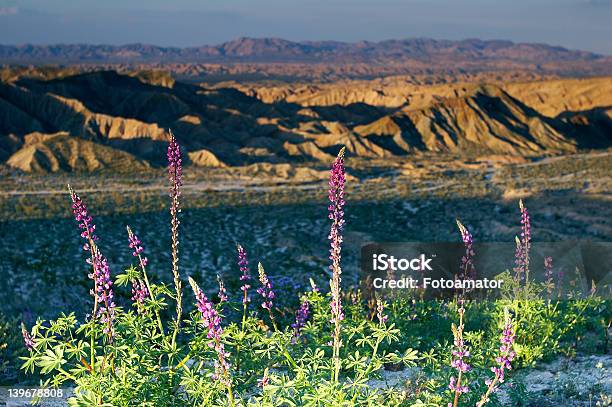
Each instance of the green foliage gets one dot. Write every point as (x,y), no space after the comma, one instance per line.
(270,367)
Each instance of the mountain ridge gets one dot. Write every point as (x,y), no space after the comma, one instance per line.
(247,49)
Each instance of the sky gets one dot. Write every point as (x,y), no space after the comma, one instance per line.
(575,24)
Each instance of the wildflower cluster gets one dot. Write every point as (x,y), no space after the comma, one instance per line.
(132,357)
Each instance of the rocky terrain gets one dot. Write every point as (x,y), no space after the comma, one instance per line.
(109,120)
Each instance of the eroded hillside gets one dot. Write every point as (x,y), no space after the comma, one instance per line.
(107,120)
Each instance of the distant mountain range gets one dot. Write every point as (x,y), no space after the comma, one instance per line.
(422,53)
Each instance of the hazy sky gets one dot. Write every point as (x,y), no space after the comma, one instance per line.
(582,24)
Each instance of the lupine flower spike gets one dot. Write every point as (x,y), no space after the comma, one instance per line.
(506,355)
(525,235)
(212,321)
(85,221)
(300,319)
(380,308)
(140,290)
(104,305)
(103,292)
(136,246)
(265,290)
(337,180)
(175,172)
(28,339)
(523,244)
(222,291)
(245,277)
(467,270)
(460,351)
(266,293)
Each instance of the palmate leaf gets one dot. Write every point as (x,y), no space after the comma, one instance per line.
(410,357)
(51,360)
(86,399)
(29,364)
(356,361)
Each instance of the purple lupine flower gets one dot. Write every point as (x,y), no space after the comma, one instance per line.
(503,360)
(222,291)
(467,270)
(139,292)
(175,167)
(300,318)
(380,308)
(525,227)
(457,388)
(337,179)
(460,353)
(79,209)
(265,290)
(28,339)
(136,246)
(523,244)
(506,354)
(212,321)
(103,291)
(245,276)
(175,172)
